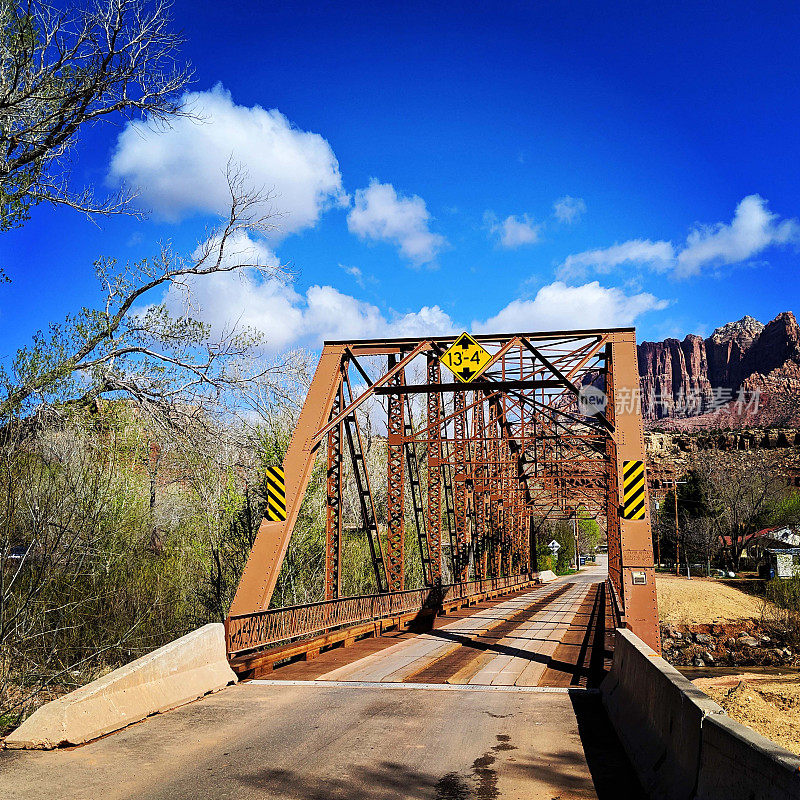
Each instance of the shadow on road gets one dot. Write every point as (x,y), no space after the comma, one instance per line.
(385,779)
(612,772)
(563,770)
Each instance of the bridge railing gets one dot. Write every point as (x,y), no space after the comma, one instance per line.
(247,633)
(617,608)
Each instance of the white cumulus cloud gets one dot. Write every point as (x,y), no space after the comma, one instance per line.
(180,169)
(569,209)
(428,321)
(636,251)
(513,231)
(289,317)
(244,298)
(381,214)
(558,307)
(753,230)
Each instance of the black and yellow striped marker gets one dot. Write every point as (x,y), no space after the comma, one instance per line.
(276,495)
(633,490)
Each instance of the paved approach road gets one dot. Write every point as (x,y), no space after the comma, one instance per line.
(322,739)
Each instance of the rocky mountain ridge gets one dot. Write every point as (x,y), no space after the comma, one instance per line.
(745,374)
(742,332)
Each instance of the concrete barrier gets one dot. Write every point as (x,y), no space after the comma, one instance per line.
(658,715)
(739,764)
(177,673)
(546,576)
(683,745)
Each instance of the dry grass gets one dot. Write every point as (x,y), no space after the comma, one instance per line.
(702,600)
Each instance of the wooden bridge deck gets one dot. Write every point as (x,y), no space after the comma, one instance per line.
(553,635)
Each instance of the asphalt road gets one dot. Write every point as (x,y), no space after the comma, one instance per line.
(323,741)
(319,740)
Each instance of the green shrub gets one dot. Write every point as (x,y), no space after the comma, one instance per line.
(781,612)
(545,559)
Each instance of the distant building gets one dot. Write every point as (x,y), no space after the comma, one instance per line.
(772,538)
(783,562)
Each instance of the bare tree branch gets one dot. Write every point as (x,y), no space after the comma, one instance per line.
(61,69)
(145,351)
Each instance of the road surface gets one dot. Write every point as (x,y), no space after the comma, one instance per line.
(371,730)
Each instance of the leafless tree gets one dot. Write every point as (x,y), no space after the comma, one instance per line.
(743,495)
(701,538)
(56,579)
(61,69)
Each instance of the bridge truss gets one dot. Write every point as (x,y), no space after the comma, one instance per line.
(474,476)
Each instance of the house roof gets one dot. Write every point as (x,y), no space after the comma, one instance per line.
(728,540)
(785,534)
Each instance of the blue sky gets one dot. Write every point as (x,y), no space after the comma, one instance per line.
(511,166)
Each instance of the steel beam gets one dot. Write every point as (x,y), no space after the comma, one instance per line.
(434,516)
(395,542)
(480,486)
(369,518)
(333,515)
(635,539)
(266,556)
(461,455)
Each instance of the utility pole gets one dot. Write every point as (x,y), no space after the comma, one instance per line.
(658,535)
(577,548)
(677,536)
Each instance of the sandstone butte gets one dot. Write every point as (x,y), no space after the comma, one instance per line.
(743,355)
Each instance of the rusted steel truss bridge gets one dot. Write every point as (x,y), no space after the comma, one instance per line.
(494,454)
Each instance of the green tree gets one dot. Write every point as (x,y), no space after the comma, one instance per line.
(589,534)
(786,510)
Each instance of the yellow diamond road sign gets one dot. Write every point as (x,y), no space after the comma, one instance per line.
(465,358)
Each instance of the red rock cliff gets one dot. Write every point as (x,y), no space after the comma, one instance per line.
(684,379)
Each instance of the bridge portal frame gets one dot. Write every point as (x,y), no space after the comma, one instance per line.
(511,449)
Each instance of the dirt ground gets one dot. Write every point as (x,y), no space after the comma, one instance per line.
(682,601)
(769,704)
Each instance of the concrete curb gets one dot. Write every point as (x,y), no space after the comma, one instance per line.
(739,764)
(683,745)
(177,673)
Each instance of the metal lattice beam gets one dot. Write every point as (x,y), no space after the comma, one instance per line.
(395,538)
(333,510)
(434,515)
